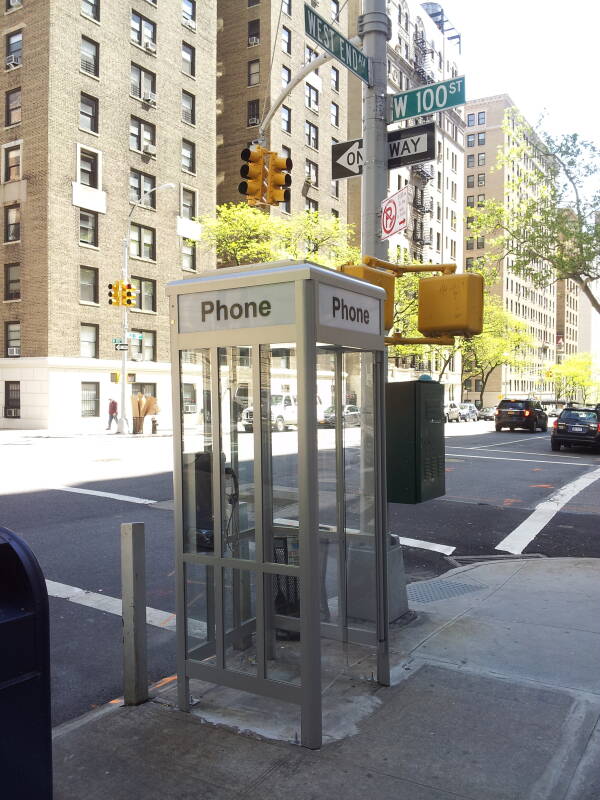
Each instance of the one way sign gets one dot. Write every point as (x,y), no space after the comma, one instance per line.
(406,146)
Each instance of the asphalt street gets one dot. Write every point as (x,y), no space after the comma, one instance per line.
(496,484)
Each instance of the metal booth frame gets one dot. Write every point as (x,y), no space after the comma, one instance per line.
(307,331)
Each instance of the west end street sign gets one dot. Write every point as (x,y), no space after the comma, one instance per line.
(406,146)
(427,99)
(331,40)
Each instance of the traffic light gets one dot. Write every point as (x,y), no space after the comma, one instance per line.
(378,277)
(114,293)
(127,294)
(279,179)
(253,172)
(451,305)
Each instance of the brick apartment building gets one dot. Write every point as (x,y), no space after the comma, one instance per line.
(104,101)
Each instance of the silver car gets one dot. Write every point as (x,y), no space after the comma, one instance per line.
(452,412)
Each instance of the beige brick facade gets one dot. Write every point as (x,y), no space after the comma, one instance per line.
(52,77)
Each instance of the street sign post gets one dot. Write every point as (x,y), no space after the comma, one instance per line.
(121,347)
(393,213)
(427,99)
(331,40)
(404,147)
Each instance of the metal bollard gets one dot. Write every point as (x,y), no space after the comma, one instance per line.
(133,579)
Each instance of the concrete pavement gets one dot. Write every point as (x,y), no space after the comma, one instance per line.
(495,696)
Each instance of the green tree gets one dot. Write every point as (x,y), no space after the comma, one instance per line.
(573,378)
(548,224)
(239,234)
(317,237)
(503,341)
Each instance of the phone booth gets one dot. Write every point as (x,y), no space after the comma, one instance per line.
(278,377)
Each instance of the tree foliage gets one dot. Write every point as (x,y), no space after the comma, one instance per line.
(573,378)
(548,225)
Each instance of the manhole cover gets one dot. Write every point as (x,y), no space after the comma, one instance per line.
(440,589)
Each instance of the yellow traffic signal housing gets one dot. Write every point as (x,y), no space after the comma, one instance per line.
(451,305)
(114,293)
(378,277)
(127,294)
(279,179)
(253,172)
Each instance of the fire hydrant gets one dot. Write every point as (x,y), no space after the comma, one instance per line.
(154,424)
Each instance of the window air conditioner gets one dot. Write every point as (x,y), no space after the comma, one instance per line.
(12,412)
(15,3)
(253,40)
(189,408)
(14,351)
(149,149)
(12,61)
(150,46)
(137,356)
(253,121)
(150,98)
(189,23)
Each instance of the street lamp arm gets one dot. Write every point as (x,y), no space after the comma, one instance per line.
(140,202)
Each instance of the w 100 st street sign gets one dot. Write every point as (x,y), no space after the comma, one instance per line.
(427,99)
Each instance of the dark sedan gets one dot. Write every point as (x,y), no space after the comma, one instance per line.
(576,426)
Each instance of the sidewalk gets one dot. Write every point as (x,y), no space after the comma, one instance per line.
(495,696)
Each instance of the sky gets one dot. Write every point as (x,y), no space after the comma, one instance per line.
(545,55)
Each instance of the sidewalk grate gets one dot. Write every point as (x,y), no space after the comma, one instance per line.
(439,589)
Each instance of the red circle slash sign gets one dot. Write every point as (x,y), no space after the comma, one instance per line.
(388,219)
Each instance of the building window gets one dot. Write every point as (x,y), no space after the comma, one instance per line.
(88,168)
(188,11)
(310,205)
(286,119)
(311,97)
(253,32)
(453,191)
(88,341)
(188,108)
(12,163)
(254,72)
(252,113)
(335,213)
(335,189)
(141,188)
(470,243)
(90,56)
(12,338)
(480,242)
(286,7)
(90,399)
(469,263)
(88,113)
(481,159)
(141,133)
(188,256)
(88,284)
(142,241)
(335,79)
(470,160)
(143,84)
(481,118)
(88,228)
(12,281)
(14,49)
(471,140)
(143,31)
(188,203)
(481,139)
(286,40)
(470,201)
(188,156)
(470,181)
(311,135)
(286,76)
(91,8)
(438,241)
(12,108)
(481,179)
(470,120)
(310,55)
(146,293)
(12,399)
(335,115)
(188,59)
(144,348)
(453,220)
(311,172)
(452,248)
(480,199)
(335,10)
(12,223)
(147,389)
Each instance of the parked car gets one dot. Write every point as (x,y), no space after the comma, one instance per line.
(468,412)
(576,426)
(350,416)
(452,412)
(527,414)
(284,412)
(487,413)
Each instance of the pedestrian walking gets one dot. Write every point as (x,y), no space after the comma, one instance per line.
(112,413)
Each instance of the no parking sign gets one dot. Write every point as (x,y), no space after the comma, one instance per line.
(393,213)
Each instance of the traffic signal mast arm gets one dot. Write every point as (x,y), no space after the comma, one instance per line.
(400,269)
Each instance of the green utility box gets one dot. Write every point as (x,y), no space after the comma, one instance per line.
(416,463)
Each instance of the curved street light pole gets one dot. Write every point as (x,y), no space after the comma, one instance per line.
(123,425)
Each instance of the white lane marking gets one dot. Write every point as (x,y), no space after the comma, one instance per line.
(526,532)
(509,441)
(578,457)
(530,460)
(438,548)
(103,602)
(123,497)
